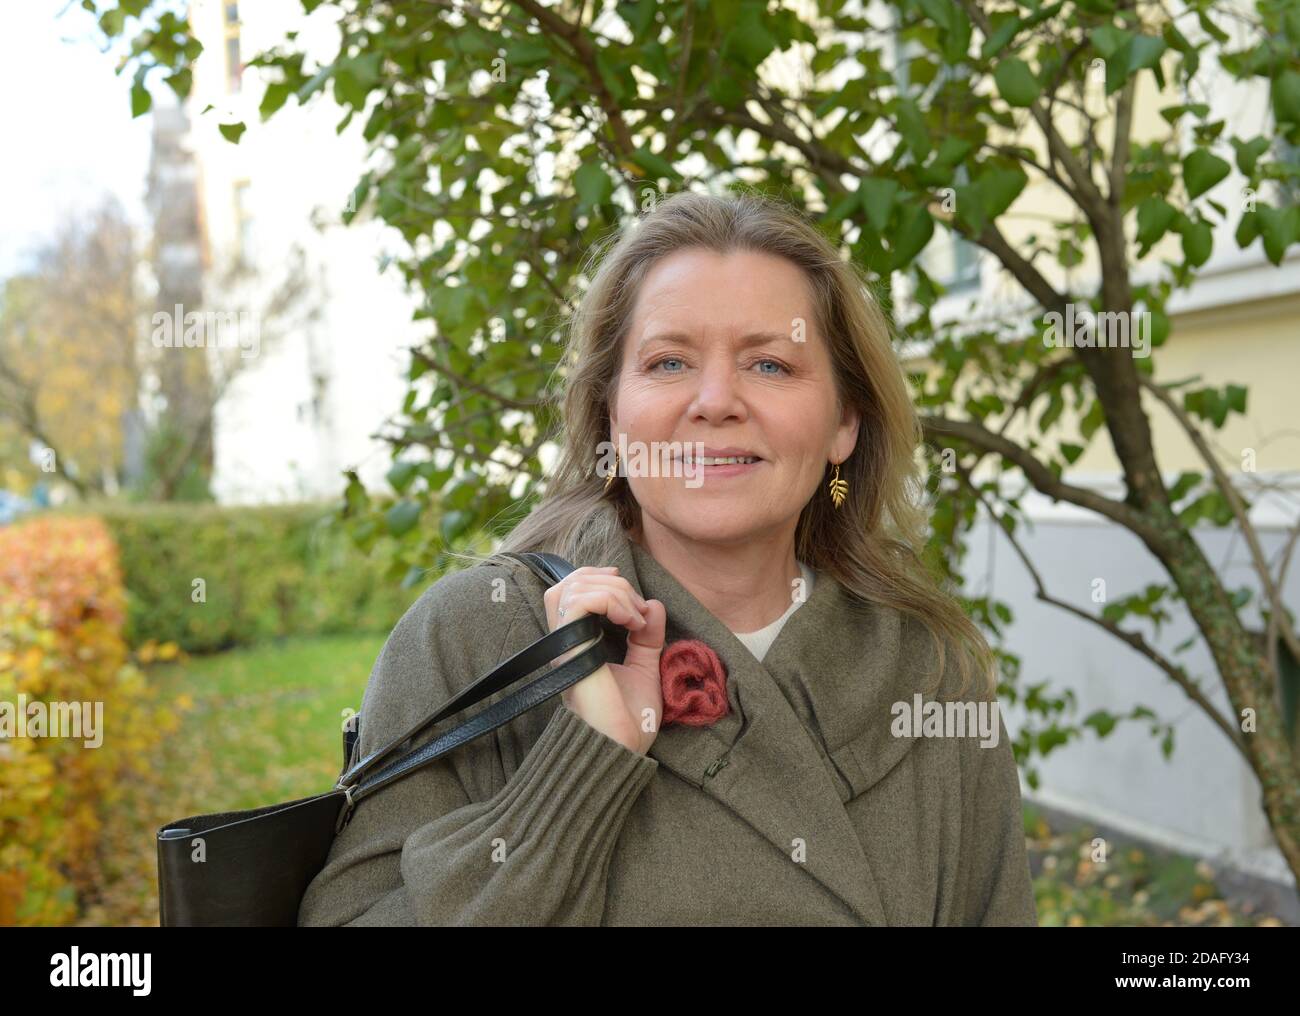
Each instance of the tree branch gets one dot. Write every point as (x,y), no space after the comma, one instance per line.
(1133,639)
(464,382)
(1042,478)
(1271,591)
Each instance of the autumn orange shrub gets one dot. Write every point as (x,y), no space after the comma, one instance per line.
(62,610)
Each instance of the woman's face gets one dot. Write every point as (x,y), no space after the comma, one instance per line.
(722,350)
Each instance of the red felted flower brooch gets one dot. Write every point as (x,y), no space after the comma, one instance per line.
(694,684)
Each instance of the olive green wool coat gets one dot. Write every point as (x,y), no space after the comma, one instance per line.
(799,807)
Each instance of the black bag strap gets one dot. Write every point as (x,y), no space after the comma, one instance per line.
(551,569)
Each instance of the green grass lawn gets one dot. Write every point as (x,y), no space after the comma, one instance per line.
(263,725)
(268,720)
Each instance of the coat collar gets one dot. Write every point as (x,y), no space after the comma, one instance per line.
(816,711)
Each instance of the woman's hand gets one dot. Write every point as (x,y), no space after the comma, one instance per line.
(615,697)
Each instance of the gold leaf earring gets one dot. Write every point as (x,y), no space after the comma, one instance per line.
(839,488)
(609,480)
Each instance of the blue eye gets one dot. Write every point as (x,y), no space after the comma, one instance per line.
(781,368)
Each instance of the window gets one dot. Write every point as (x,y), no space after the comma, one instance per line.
(234,66)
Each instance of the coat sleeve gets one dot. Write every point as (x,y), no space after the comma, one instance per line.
(514,828)
(996,885)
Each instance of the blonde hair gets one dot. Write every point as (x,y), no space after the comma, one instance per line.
(872,542)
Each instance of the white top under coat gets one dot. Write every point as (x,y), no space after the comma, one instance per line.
(758,642)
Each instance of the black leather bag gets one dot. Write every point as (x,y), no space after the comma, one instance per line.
(251,868)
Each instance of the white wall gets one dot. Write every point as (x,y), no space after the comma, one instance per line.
(308,404)
(1203,800)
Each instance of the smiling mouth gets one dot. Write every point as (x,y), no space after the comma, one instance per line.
(719,460)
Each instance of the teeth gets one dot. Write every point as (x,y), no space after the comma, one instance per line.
(708,460)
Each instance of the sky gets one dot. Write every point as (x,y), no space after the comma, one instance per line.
(65,120)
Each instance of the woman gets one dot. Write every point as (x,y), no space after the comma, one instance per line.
(746,763)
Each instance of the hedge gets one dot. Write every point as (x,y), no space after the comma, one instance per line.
(208,577)
(62,649)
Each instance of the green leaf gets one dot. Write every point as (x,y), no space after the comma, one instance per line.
(1247,229)
(749,37)
(274,97)
(1286,96)
(998,187)
(1154,216)
(1198,242)
(1210,28)
(1016,82)
(1092,420)
(593,185)
(402,516)
(180,82)
(527,52)
(842,207)
(112,21)
(725,12)
(141,100)
(915,228)
(911,125)
(400,475)
(877,196)
(349,90)
(1005,26)
(1248,152)
(232,131)
(611,74)
(639,16)
(1277,228)
(1101,721)
(951,151)
(939,11)
(1145,51)
(454,523)
(1201,171)
(1183,486)
(1108,39)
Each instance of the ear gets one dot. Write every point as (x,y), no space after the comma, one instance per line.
(846,434)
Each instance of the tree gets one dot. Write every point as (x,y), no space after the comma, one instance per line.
(82,381)
(463,102)
(69,370)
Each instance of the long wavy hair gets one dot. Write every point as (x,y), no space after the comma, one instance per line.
(872,542)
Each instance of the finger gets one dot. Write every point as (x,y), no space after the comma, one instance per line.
(559,597)
(615,604)
(609,582)
(582,580)
(645,645)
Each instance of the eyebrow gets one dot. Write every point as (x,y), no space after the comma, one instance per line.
(752,339)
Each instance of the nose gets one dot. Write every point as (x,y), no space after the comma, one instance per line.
(718,396)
